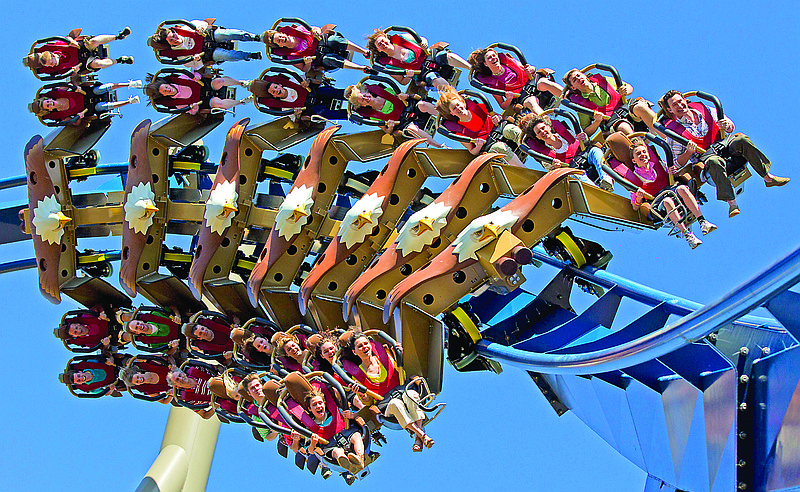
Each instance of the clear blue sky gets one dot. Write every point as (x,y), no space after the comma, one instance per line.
(497,431)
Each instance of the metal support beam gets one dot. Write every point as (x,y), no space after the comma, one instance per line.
(184,462)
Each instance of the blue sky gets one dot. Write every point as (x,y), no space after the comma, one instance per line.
(497,431)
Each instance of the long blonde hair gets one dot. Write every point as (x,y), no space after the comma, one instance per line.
(447,95)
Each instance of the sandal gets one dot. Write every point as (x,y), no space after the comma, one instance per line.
(427,441)
(417,448)
(356,462)
(345,463)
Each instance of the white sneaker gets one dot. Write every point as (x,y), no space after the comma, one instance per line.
(707,227)
(133,100)
(135,84)
(692,240)
(607,183)
(247,99)
(246,84)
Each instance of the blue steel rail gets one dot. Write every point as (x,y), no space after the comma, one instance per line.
(698,322)
(707,403)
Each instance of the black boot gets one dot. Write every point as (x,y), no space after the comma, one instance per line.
(125,60)
(255,56)
(124,33)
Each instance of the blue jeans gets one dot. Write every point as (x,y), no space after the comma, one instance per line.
(223,35)
(221,55)
(595,158)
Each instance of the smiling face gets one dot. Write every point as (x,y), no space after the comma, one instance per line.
(292,349)
(328,350)
(167,90)
(82,377)
(138,379)
(491,58)
(283,40)
(277,91)
(173,38)
(458,108)
(139,327)
(317,407)
(365,98)
(77,330)
(255,389)
(49,104)
(362,347)
(640,156)
(543,131)
(678,105)
(182,380)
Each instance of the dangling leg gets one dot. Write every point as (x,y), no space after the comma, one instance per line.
(456,61)
(691,203)
(219,103)
(96,41)
(357,49)
(624,127)
(532,104)
(642,111)
(220,82)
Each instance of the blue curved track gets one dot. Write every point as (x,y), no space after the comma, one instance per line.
(702,398)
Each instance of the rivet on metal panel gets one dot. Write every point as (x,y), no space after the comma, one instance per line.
(744,351)
(742,407)
(744,379)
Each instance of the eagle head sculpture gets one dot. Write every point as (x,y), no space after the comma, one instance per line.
(422,228)
(361,219)
(139,207)
(49,220)
(481,232)
(221,207)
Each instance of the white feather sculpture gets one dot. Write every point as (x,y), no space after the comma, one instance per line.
(482,231)
(49,220)
(422,228)
(296,206)
(140,208)
(361,219)
(221,207)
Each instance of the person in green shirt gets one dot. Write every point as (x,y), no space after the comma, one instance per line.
(601,95)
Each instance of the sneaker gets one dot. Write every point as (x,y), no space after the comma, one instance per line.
(707,227)
(255,55)
(607,183)
(777,181)
(246,84)
(326,473)
(133,100)
(124,33)
(692,240)
(247,100)
(733,210)
(125,60)
(256,37)
(135,84)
